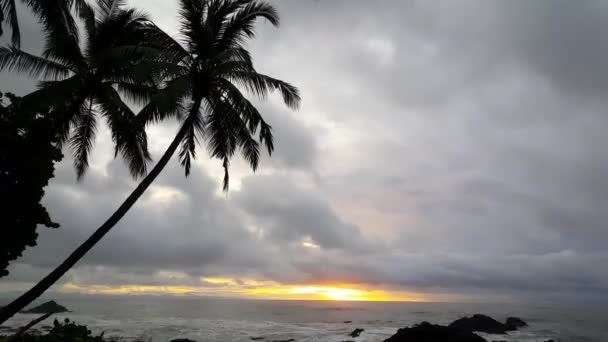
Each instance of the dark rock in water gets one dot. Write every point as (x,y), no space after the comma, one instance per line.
(356,332)
(182,340)
(513,323)
(348,322)
(48,307)
(427,332)
(256,338)
(481,323)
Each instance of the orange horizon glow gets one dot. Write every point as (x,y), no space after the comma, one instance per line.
(252,289)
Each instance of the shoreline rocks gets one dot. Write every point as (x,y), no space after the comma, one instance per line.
(513,323)
(427,332)
(356,332)
(461,330)
(487,324)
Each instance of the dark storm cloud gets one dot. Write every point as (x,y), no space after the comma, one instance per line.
(441,145)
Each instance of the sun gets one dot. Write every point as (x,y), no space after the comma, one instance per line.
(331,293)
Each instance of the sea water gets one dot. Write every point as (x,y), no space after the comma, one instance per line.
(218,319)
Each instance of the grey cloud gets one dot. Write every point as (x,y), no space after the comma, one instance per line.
(295,145)
(289,213)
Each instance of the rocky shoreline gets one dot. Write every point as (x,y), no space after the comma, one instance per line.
(461,330)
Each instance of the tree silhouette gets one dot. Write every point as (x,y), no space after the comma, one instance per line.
(80,84)
(202,84)
(28,152)
(54,15)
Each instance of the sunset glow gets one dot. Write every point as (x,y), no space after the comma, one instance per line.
(254,289)
(332,293)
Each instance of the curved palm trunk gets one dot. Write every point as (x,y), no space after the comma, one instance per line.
(48,281)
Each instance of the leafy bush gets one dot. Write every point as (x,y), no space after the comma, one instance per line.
(61,332)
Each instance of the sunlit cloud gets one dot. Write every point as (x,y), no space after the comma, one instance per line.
(252,289)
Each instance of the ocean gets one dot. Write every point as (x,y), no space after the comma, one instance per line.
(158,319)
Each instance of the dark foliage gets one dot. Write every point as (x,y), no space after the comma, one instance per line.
(81,82)
(54,15)
(28,152)
(61,332)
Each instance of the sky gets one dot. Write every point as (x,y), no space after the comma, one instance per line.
(443,151)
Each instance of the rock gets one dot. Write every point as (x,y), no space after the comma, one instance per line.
(348,322)
(480,323)
(48,307)
(356,332)
(513,323)
(256,338)
(427,332)
(182,340)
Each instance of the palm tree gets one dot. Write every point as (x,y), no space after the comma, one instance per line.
(202,85)
(79,85)
(54,15)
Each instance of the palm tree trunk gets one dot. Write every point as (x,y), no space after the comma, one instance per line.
(48,281)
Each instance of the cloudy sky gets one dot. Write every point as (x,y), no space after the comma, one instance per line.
(443,151)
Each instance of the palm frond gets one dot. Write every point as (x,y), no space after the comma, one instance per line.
(137,93)
(120,29)
(63,48)
(13,59)
(241,25)
(266,137)
(137,65)
(86,13)
(196,128)
(171,51)
(108,8)
(192,14)
(168,102)
(9,11)
(128,133)
(1,20)
(63,98)
(226,131)
(261,85)
(249,114)
(53,94)
(219,12)
(55,17)
(81,141)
